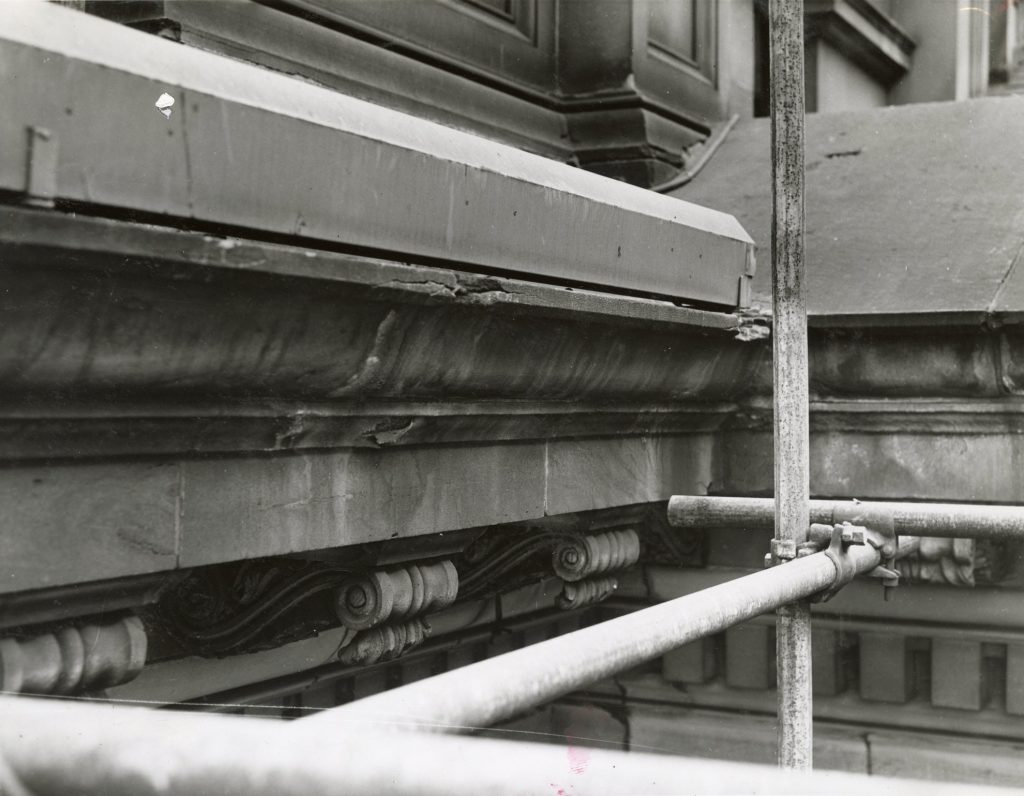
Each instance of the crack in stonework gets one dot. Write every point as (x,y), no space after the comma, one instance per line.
(485,287)
(388,432)
(286,438)
(753,323)
(371,365)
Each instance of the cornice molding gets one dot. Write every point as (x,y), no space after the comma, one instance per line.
(867,36)
(177,364)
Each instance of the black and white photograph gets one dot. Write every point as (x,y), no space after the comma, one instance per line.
(511,397)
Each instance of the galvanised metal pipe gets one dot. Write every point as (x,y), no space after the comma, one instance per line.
(789,335)
(57,747)
(945,520)
(487,692)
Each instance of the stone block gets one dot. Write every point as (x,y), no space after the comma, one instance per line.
(321,697)
(67,524)
(1015,679)
(369,683)
(273,505)
(957,680)
(535,635)
(690,663)
(885,668)
(598,473)
(827,662)
(419,668)
(502,642)
(750,656)
(588,725)
(460,656)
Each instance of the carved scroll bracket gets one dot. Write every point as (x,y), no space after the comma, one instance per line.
(369,600)
(384,643)
(587,592)
(386,608)
(587,565)
(596,555)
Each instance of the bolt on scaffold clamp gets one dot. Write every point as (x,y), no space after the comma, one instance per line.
(860,527)
(880,533)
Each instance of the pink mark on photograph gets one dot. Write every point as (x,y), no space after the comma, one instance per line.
(578,758)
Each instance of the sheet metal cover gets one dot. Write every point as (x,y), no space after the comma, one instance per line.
(911,210)
(247,147)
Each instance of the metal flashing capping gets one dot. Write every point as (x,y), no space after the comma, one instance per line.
(246,148)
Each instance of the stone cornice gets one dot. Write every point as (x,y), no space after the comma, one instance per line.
(125,339)
(933,417)
(128,339)
(872,39)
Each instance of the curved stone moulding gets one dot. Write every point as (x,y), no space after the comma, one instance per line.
(596,555)
(384,643)
(74,659)
(365,601)
(587,592)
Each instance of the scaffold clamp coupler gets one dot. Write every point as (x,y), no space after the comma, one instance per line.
(881,535)
(890,578)
(807,549)
(782,550)
(836,551)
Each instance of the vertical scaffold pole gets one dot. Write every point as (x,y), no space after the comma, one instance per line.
(792,481)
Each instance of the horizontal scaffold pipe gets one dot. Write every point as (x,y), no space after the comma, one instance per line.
(487,692)
(946,520)
(53,747)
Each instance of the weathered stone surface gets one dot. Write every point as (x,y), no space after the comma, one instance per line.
(1015,679)
(896,466)
(886,672)
(594,474)
(750,656)
(690,663)
(957,677)
(828,674)
(212,344)
(77,522)
(903,218)
(319,698)
(114,520)
(157,336)
(240,508)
